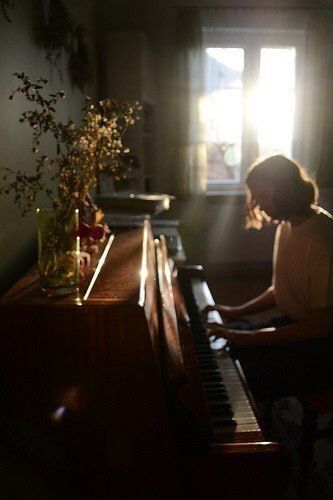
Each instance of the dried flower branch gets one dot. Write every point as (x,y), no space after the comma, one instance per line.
(58,31)
(83,151)
(4,5)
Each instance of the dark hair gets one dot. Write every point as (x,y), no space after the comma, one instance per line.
(294,191)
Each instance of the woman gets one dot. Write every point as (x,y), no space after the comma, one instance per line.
(280,191)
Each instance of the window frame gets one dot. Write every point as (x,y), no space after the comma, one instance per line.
(252,40)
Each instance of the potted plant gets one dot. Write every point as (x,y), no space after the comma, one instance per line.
(83,151)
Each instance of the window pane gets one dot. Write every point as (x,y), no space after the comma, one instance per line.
(222,111)
(275,100)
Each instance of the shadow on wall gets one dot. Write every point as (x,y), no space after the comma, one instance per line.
(22,259)
(213,233)
(326,198)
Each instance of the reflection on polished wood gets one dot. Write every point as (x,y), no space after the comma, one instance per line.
(97,365)
(116,381)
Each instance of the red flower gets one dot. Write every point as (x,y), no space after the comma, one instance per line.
(95,232)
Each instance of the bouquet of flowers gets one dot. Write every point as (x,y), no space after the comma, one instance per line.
(83,151)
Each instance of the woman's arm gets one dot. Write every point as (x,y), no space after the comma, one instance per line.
(264,301)
(318,323)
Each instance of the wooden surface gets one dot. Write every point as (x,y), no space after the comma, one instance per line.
(106,374)
(95,364)
(119,279)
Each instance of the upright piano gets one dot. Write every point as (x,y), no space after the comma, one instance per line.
(120,387)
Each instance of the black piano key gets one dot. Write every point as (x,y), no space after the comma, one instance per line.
(204,362)
(210,370)
(217,394)
(204,350)
(223,406)
(217,412)
(207,358)
(209,363)
(214,384)
(204,366)
(219,406)
(228,422)
(220,410)
(211,378)
(218,388)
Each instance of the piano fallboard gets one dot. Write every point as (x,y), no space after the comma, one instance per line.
(84,372)
(114,378)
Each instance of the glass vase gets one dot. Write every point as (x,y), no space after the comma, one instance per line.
(58,251)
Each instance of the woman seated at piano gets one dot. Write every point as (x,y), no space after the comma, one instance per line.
(281,192)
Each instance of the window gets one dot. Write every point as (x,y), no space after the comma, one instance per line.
(250,96)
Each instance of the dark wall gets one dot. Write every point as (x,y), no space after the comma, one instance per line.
(212,229)
(21,50)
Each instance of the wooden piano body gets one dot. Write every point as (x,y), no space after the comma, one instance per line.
(110,376)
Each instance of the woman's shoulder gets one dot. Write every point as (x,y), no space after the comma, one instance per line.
(323,214)
(322,227)
(323,219)
(318,226)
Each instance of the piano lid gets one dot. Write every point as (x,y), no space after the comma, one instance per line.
(172,351)
(125,258)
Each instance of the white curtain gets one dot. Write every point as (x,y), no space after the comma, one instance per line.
(314,121)
(191,148)
(316,148)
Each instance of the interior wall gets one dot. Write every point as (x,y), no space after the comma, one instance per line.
(20,51)
(212,229)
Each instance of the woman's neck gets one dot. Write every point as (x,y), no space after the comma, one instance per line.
(297,219)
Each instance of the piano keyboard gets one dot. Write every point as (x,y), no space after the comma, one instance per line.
(230,409)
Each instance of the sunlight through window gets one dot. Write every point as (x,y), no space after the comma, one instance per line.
(236,110)
(274,100)
(222,111)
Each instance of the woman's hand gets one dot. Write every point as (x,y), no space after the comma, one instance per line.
(242,338)
(208,309)
(260,303)
(236,338)
(226,312)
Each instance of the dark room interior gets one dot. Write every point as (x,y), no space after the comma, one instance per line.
(136,122)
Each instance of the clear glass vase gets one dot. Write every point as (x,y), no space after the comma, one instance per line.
(58,251)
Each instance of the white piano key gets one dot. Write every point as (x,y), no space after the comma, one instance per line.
(243,413)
